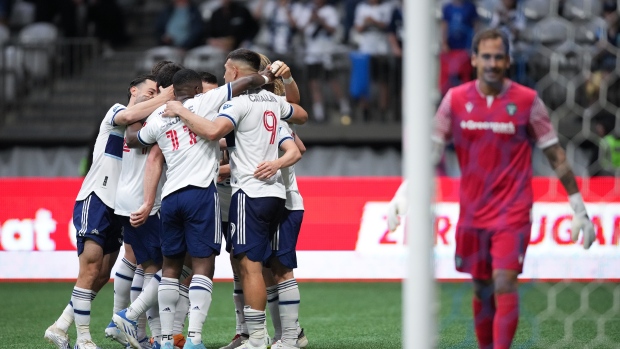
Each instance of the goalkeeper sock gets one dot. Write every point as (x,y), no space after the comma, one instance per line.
(506,319)
(484,312)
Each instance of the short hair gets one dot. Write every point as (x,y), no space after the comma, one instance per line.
(184,78)
(208,77)
(246,56)
(490,34)
(164,77)
(138,81)
(158,65)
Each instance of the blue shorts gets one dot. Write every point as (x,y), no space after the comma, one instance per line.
(226,235)
(284,241)
(191,222)
(95,221)
(144,240)
(252,222)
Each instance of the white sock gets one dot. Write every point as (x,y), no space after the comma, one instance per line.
(81,300)
(122,285)
(289,310)
(274,312)
(182,309)
(167,295)
(66,318)
(152,316)
(255,319)
(200,299)
(239,301)
(136,290)
(146,300)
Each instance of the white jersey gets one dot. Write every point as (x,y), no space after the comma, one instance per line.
(256,117)
(130,192)
(191,159)
(102,178)
(294,201)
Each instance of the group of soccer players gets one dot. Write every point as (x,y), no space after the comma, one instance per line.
(182,167)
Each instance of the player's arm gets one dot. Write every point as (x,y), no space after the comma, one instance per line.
(152,174)
(282,70)
(267,169)
(300,145)
(207,129)
(142,110)
(541,130)
(131,135)
(249,82)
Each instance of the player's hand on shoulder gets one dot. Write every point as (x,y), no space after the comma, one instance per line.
(266,170)
(173,108)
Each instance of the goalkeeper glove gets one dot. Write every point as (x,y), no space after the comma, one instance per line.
(396,207)
(581,221)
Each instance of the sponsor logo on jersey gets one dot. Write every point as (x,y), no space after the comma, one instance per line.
(496,127)
(511,108)
(226,106)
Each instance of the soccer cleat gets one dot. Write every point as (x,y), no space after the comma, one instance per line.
(115,334)
(179,340)
(168,346)
(128,328)
(246,345)
(280,345)
(190,345)
(155,345)
(58,337)
(302,340)
(145,343)
(236,341)
(85,344)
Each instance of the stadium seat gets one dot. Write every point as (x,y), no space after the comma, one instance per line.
(206,58)
(38,44)
(588,32)
(159,53)
(551,32)
(11,62)
(582,9)
(535,10)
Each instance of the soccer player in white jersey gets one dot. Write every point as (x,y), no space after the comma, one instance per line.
(99,233)
(258,189)
(190,207)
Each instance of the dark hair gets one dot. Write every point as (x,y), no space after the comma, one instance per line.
(138,81)
(490,34)
(164,77)
(249,57)
(208,77)
(157,66)
(186,78)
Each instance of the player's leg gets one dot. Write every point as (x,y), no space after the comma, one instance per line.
(125,273)
(473,257)
(204,237)
(508,249)
(283,261)
(241,329)
(252,218)
(272,303)
(182,308)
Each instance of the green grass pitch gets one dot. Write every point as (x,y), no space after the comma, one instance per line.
(350,315)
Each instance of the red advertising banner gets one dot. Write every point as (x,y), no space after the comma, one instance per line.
(35,214)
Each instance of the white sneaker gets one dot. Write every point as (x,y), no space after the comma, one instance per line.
(280,345)
(58,337)
(246,345)
(115,334)
(85,344)
(236,341)
(302,340)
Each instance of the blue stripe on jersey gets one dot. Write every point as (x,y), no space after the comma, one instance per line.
(142,141)
(230,117)
(114,146)
(230,96)
(113,116)
(285,138)
(290,113)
